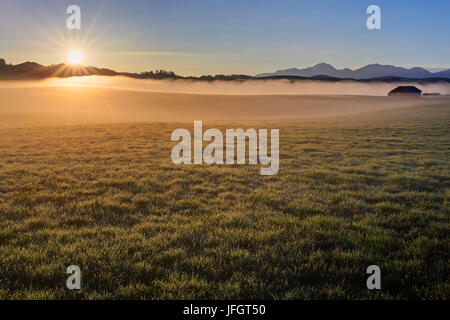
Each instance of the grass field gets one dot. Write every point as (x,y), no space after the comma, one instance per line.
(351,191)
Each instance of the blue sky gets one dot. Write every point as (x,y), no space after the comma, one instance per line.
(227,36)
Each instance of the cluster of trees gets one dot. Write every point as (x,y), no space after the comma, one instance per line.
(159,74)
(163,74)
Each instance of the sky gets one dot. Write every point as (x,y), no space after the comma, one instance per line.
(193,37)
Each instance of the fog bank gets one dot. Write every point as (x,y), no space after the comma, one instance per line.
(252,87)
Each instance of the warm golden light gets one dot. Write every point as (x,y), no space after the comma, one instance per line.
(75,56)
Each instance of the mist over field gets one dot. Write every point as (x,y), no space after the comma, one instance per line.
(119,99)
(252,87)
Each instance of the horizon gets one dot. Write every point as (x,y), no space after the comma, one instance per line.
(432,70)
(227,37)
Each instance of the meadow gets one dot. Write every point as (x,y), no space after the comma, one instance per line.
(353,190)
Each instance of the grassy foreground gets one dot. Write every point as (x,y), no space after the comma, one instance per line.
(351,192)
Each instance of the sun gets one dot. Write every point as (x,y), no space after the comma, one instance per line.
(75,56)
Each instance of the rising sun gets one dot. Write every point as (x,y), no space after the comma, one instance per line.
(75,56)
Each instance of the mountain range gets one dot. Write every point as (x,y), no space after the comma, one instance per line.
(320,72)
(370,71)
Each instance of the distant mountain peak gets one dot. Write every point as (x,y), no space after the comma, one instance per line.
(323,64)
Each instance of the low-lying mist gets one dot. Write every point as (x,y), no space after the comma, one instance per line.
(249,87)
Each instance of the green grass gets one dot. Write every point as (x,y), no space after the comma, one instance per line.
(350,192)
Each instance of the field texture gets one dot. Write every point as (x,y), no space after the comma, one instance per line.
(351,191)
